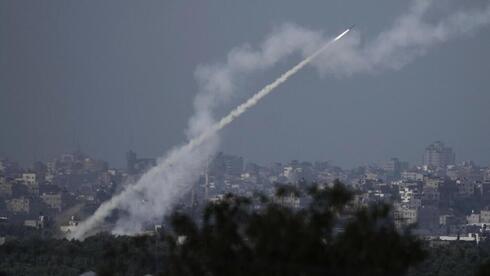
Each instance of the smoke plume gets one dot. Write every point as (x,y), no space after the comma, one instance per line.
(155,193)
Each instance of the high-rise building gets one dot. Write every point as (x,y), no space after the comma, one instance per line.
(135,165)
(485,191)
(226,168)
(393,168)
(233,165)
(438,155)
(131,162)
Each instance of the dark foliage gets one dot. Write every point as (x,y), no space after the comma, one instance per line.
(102,253)
(456,258)
(327,238)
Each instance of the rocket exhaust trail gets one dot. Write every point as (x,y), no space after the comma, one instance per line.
(107,207)
(239,110)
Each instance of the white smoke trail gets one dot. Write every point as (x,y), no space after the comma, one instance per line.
(175,160)
(239,110)
(411,35)
(158,189)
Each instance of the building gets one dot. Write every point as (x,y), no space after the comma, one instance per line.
(288,201)
(408,194)
(465,188)
(428,217)
(486,175)
(38,223)
(9,168)
(225,167)
(485,216)
(485,191)
(437,155)
(18,205)
(424,217)
(412,176)
(30,180)
(447,220)
(5,188)
(54,201)
(405,216)
(393,168)
(473,218)
(435,183)
(430,195)
(135,165)
(70,227)
(233,165)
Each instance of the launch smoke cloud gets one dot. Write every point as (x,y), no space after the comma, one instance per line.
(155,193)
(181,166)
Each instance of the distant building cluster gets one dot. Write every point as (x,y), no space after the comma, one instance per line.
(72,183)
(441,197)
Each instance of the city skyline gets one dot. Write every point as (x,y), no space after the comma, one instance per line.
(447,158)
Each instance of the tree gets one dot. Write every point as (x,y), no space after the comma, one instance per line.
(262,236)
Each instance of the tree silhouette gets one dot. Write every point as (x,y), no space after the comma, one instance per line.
(263,236)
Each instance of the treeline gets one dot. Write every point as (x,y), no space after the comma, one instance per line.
(328,237)
(103,253)
(455,258)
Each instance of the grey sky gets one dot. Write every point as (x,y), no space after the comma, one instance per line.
(109,75)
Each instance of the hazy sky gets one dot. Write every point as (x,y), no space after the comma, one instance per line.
(112,75)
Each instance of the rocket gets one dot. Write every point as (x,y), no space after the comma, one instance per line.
(344,33)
